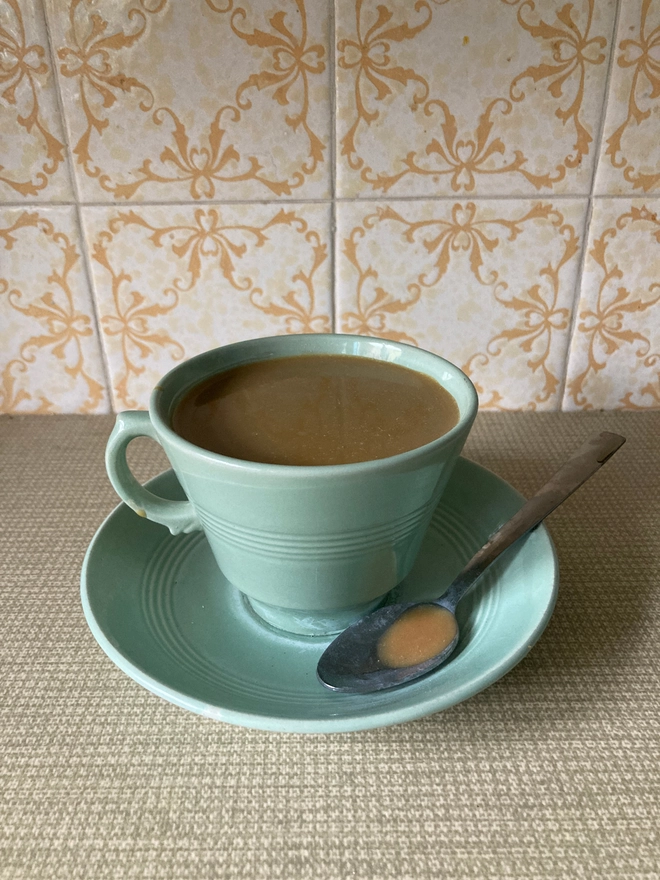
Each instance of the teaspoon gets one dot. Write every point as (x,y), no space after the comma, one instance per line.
(399,643)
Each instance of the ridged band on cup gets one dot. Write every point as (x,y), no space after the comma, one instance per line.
(338,545)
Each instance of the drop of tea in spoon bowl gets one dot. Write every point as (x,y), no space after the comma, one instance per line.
(419,634)
(400,643)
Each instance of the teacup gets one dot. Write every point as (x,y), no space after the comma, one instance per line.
(311,548)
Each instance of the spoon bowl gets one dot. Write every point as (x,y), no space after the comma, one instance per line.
(353,663)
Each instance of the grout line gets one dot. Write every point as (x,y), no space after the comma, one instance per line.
(202,203)
(333,167)
(60,107)
(598,145)
(95,312)
(183,203)
(34,203)
(598,141)
(468,196)
(576,302)
(87,269)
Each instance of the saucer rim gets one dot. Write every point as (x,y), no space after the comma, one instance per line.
(387,716)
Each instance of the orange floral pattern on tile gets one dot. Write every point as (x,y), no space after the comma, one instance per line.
(607,326)
(536,313)
(377,74)
(642,55)
(23,73)
(62,323)
(569,49)
(289,61)
(229,247)
(293,61)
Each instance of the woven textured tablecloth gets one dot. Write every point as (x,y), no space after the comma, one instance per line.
(553,772)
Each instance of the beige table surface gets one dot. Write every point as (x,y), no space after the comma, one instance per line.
(553,772)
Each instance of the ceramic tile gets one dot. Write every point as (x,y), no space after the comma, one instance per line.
(615,350)
(460,96)
(489,285)
(630,155)
(170,100)
(50,359)
(173,281)
(33,162)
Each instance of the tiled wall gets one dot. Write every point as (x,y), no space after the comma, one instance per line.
(478,177)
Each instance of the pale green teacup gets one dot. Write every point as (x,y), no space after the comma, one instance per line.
(311,548)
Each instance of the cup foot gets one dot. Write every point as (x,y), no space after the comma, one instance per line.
(311,623)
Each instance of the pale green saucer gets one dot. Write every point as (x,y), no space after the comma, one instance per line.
(161,610)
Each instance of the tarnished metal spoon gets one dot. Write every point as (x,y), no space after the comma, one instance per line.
(399,643)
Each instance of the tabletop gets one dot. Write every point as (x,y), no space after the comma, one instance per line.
(552,772)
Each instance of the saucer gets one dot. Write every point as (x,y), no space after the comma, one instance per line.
(162,611)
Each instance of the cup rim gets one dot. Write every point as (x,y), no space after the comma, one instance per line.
(160,421)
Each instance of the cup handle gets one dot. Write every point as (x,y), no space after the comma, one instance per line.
(178,516)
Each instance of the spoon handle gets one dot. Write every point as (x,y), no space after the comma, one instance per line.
(582,465)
